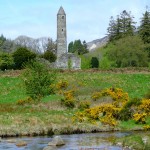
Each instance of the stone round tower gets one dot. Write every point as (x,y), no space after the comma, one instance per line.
(61,33)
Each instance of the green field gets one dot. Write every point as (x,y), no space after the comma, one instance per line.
(49,115)
(137,84)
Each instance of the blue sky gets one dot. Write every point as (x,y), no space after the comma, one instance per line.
(86,19)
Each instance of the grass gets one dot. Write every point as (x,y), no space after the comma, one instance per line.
(48,115)
(137,85)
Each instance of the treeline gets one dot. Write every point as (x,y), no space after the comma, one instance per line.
(15,56)
(78,47)
(128,46)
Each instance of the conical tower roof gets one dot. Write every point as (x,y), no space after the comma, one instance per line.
(61,11)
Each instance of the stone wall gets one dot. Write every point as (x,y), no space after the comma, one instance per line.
(69,61)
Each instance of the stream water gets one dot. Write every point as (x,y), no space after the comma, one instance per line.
(91,141)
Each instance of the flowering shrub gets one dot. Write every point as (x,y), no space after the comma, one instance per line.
(144,111)
(145,106)
(104,113)
(109,120)
(69,94)
(139,117)
(62,85)
(146,127)
(96,95)
(119,97)
(69,99)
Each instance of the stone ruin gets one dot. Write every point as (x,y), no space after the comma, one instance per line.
(64,60)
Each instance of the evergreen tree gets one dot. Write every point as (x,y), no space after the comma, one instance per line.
(94,62)
(121,27)
(111,29)
(144,29)
(85,47)
(70,47)
(78,47)
(127,24)
(2,40)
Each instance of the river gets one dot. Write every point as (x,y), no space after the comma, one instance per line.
(90,141)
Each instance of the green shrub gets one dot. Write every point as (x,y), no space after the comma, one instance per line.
(94,62)
(50,56)
(21,56)
(105,64)
(38,80)
(85,62)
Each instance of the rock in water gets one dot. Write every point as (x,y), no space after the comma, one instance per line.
(21,143)
(57,141)
(50,148)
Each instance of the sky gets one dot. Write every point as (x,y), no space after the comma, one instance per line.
(86,19)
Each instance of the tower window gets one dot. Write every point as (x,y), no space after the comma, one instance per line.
(62,29)
(62,17)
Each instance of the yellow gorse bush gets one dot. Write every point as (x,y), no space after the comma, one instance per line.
(146,127)
(119,97)
(104,113)
(62,85)
(96,95)
(145,106)
(69,99)
(143,111)
(139,117)
(109,120)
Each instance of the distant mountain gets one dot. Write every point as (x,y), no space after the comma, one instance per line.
(97,43)
(39,45)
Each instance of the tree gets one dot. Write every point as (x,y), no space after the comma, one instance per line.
(127,24)
(78,47)
(50,56)
(6,61)
(22,55)
(144,29)
(70,47)
(94,62)
(85,47)
(51,46)
(121,27)
(8,46)
(2,40)
(128,52)
(114,29)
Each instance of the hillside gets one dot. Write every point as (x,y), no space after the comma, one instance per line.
(93,45)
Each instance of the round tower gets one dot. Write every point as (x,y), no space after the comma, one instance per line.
(61,33)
